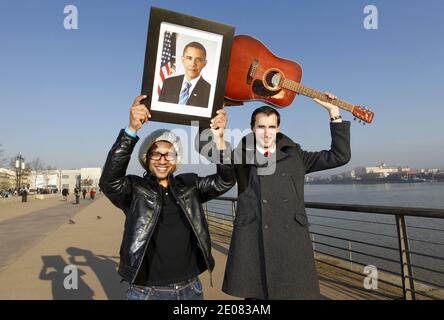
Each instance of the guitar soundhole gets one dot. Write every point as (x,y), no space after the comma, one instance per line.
(273,80)
(260,90)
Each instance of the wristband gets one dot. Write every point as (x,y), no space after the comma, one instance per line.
(335,118)
(130,133)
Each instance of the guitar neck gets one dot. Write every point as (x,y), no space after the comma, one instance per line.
(312,93)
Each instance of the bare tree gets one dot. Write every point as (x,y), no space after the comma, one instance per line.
(88,182)
(12,163)
(36,166)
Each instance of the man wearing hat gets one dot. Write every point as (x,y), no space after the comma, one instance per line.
(166,242)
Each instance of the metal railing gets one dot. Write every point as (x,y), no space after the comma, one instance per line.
(394,252)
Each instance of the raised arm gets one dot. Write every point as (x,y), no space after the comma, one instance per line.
(212,186)
(114,182)
(339,153)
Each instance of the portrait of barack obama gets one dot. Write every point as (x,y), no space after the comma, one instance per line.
(191,88)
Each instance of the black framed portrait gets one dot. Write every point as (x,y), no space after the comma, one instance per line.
(186,66)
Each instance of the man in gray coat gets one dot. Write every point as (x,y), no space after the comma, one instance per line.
(271,254)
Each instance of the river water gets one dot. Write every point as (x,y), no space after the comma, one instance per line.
(426,235)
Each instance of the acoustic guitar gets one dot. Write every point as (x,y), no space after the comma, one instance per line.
(255,73)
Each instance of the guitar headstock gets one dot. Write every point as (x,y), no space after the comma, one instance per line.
(363,113)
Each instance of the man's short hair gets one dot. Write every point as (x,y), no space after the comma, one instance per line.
(266,110)
(196,45)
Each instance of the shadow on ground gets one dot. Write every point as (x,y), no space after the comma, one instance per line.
(56,270)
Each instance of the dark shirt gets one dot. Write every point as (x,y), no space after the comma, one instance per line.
(173,254)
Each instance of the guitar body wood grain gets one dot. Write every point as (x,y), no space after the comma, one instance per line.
(254,73)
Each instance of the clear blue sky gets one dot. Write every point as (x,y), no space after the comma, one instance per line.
(65,94)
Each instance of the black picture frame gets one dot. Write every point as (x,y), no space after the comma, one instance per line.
(168,32)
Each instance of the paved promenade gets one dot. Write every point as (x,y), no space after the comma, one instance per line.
(38,241)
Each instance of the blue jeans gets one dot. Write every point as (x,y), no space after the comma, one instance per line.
(186,290)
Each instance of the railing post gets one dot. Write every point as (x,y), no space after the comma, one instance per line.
(233,210)
(404,253)
(350,255)
(206,210)
(314,244)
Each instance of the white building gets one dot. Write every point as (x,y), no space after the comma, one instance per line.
(86,177)
(7,178)
(43,179)
(70,179)
(383,170)
(429,171)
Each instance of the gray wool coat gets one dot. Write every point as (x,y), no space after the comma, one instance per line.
(271,254)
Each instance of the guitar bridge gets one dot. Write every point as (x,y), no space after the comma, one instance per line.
(252,71)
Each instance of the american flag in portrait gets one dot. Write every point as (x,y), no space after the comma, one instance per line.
(168,60)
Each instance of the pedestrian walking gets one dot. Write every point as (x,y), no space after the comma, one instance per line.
(92,193)
(77,194)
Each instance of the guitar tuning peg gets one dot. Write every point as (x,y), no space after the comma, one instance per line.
(359,121)
(354,118)
(363,123)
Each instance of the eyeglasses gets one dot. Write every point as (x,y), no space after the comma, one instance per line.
(169,156)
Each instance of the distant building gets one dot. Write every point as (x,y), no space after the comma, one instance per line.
(404,170)
(383,170)
(7,179)
(85,178)
(429,171)
(70,179)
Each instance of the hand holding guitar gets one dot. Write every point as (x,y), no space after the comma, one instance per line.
(333,110)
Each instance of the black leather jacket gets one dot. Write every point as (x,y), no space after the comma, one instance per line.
(139,198)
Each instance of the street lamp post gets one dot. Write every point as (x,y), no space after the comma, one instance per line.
(19,166)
